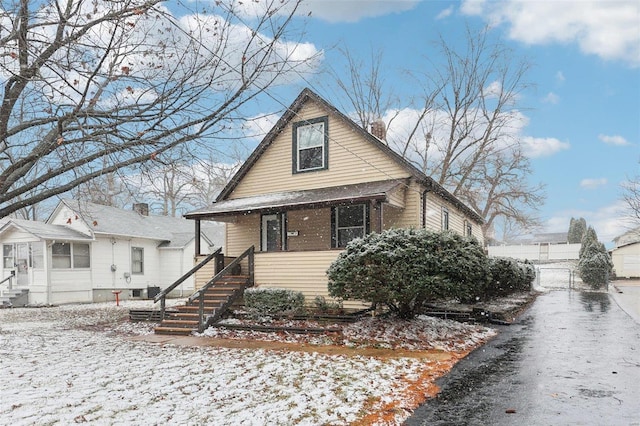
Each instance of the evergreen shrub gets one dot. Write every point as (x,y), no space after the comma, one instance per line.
(594,263)
(406,268)
(595,266)
(509,276)
(261,301)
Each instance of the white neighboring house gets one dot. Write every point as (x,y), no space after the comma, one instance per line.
(85,252)
(626,254)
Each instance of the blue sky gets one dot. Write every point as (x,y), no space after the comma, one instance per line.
(581,116)
(584,108)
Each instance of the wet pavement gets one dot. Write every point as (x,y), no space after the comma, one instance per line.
(573,358)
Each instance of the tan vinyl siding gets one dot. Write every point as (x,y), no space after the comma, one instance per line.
(351,160)
(304,271)
(242,234)
(397,197)
(313,227)
(435,204)
(204,274)
(409,216)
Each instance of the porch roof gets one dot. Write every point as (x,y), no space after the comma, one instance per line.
(45,231)
(302,199)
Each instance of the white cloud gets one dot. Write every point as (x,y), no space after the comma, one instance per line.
(613,140)
(445,13)
(493,90)
(551,98)
(593,183)
(401,125)
(256,128)
(608,29)
(543,147)
(560,78)
(608,221)
(330,10)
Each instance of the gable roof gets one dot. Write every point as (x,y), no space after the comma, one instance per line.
(308,95)
(44,231)
(174,232)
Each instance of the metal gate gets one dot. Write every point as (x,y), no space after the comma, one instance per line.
(555,278)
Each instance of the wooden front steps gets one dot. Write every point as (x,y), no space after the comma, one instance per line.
(184,320)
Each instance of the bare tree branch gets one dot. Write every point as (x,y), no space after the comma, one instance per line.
(91,88)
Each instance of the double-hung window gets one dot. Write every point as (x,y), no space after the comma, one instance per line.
(445,219)
(70,255)
(468,228)
(349,222)
(310,145)
(8,261)
(137,260)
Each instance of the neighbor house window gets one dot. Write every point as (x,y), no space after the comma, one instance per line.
(7,256)
(310,145)
(445,219)
(81,256)
(67,255)
(61,256)
(137,260)
(348,222)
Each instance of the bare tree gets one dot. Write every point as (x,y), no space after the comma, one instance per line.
(109,190)
(631,197)
(167,186)
(92,87)
(461,130)
(212,176)
(364,87)
(498,188)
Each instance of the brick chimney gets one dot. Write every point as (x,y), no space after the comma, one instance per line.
(379,129)
(141,208)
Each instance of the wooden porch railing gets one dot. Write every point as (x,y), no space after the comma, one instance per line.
(162,296)
(9,278)
(199,295)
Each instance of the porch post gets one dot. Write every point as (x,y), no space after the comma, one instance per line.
(198,237)
(376,216)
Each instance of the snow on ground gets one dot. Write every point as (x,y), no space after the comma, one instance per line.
(560,276)
(78,364)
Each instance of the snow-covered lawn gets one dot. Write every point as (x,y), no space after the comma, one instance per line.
(80,363)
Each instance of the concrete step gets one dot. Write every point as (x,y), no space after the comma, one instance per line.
(179,323)
(173,331)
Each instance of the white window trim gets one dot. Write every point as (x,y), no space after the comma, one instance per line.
(445,219)
(141,261)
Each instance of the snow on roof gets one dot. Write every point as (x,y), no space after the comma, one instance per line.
(630,237)
(176,231)
(369,190)
(543,238)
(45,231)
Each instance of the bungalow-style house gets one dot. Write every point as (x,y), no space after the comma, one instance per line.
(315,182)
(88,252)
(626,254)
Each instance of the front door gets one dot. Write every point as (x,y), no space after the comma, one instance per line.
(22,264)
(272,232)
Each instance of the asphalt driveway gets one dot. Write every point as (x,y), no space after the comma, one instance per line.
(572,359)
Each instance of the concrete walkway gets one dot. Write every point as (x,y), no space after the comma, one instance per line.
(626,293)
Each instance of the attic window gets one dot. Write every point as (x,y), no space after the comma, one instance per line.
(310,145)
